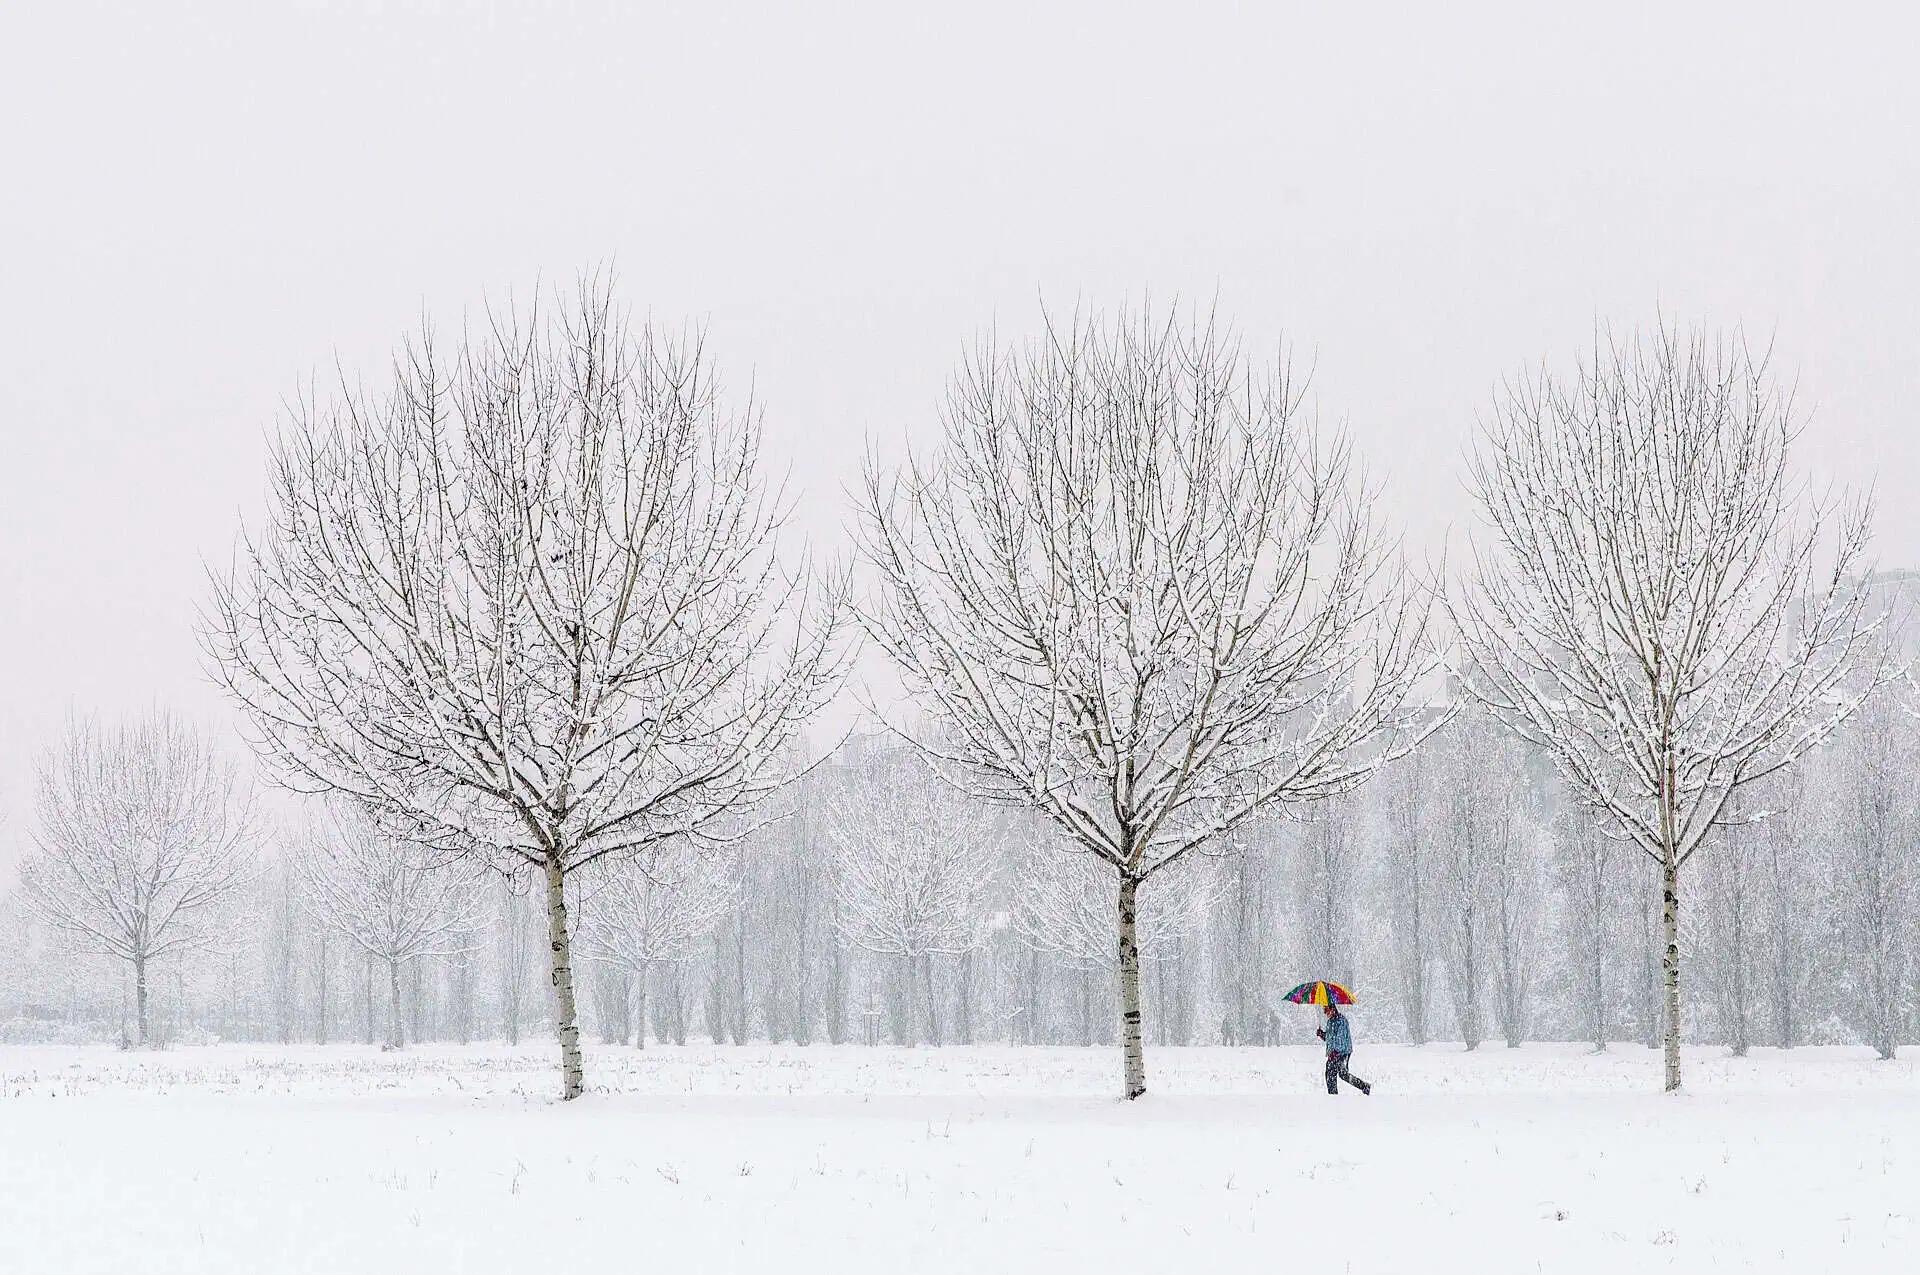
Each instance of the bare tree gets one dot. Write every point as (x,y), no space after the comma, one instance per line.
(1471,821)
(1876,875)
(1589,863)
(641,914)
(1326,861)
(1515,895)
(1785,860)
(1409,880)
(1732,866)
(516,949)
(1655,607)
(914,861)
(1248,901)
(526,604)
(398,901)
(1143,597)
(140,831)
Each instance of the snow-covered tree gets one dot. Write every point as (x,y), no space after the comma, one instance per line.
(394,899)
(1589,868)
(516,949)
(1324,880)
(1474,814)
(913,863)
(1875,878)
(526,605)
(1655,605)
(1516,892)
(140,832)
(1733,874)
(1786,861)
(1409,869)
(1141,595)
(1250,933)
(639,914)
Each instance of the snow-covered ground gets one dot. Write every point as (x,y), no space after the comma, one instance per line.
(341,1159)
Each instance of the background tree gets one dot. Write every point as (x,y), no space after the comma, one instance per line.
(516,950)
(1251,928)
(1875,877)
(913,862)
(1733,874)
(1405,830)
(1654,606)
(1064,910)
(642,914)
(525,604)
(140,832)
(1473,815)
(1786,871)
(1326,856)
(1588,863)
(1141,595)
(1516,893)
(396,900)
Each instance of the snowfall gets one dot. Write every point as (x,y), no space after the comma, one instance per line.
(1544,1158)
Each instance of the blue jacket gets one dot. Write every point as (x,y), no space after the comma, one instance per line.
(1339,1039)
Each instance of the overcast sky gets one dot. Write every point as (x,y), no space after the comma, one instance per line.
(197,213)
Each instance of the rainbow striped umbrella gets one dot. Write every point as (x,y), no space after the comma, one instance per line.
(1320,992)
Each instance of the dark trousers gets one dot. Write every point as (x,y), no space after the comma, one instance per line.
(1337,1071)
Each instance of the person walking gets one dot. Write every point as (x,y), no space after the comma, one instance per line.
(1339,1038)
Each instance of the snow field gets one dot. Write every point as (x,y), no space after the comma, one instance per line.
(343,1159)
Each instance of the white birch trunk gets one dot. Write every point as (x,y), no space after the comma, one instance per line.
(1135,1078)
(566,1017)
(1670,967)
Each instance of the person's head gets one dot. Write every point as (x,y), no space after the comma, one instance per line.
(1331,1009)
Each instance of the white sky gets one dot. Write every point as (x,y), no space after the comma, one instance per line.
(196,213)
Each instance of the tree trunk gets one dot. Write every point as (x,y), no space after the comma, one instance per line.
(803,986)
(741,1024)
(395,1037)
(1417,968)
(640,1007)
(367,997)
(1469,986)
(1034,1026)
(716,981)
(963,1013)
(933,1001)
(1135,1063)
(1598,977)
(413,1000)
(320,996)
(677,1003)
(1783,1025)
(1740,1041)
(140,999)
(1670,965)
(566,1016)
(836,995)
(463,994)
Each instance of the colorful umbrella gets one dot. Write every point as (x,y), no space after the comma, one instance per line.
(1320,992)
